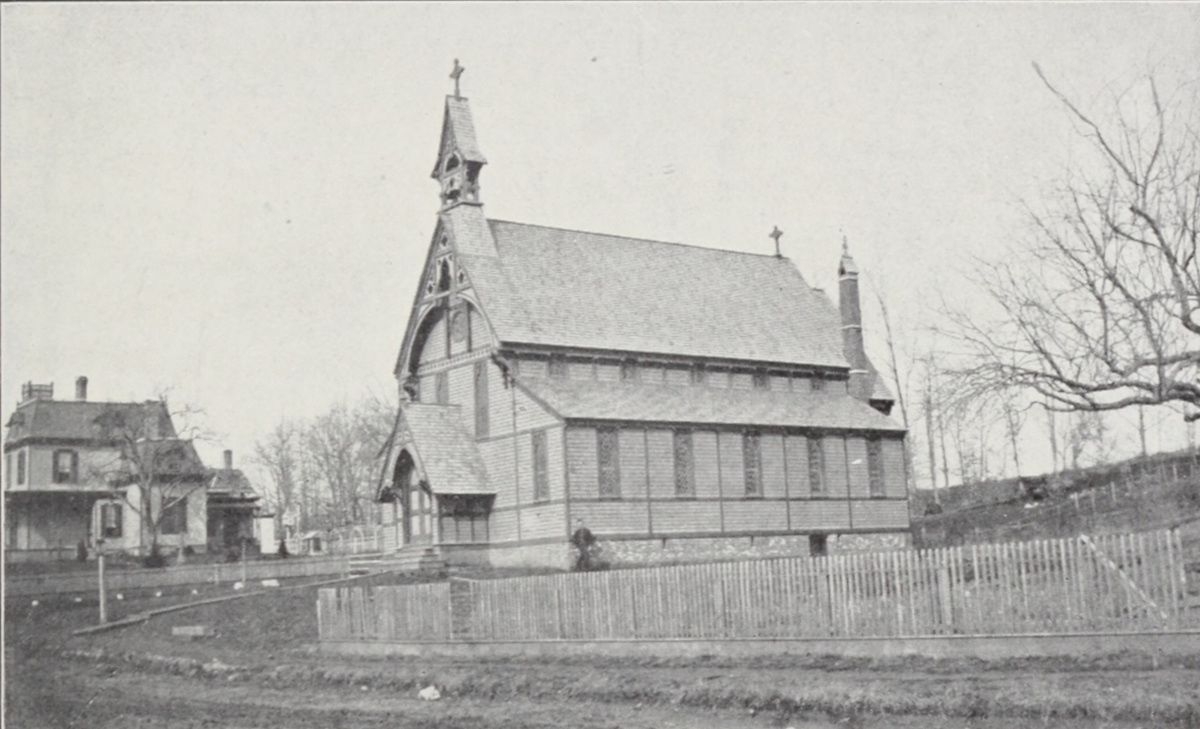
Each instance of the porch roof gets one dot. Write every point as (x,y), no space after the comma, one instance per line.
(444,449)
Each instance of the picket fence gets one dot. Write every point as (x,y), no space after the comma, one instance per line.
(1132,582)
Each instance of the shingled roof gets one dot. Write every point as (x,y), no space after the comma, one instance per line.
(445,449)
(458,131)
(594,400)
(566,288)
(81,421)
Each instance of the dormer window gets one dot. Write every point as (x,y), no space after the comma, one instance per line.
(444,280)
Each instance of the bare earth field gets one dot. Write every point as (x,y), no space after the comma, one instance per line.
(259,670)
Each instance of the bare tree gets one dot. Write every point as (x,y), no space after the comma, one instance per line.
(154,470)
(1099,307)
(900,382)
(279,454)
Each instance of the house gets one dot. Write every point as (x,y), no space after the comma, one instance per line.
(112,473)
(232,504)
(681,402)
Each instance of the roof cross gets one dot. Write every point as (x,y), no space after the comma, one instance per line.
(458,71)
(777,234)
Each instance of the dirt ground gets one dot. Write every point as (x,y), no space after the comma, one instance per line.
(259,670)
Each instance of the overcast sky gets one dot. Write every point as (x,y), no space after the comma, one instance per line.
(233,200)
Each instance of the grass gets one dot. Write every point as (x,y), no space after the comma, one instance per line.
(262,640)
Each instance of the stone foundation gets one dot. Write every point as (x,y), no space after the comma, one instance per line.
(552,556)
(707,549)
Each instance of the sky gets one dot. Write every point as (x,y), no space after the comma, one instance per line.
(231,202)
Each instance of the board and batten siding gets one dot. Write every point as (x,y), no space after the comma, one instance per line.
(660,452)
(720,505)
(880,513)
(859,473)
(773,481)
(893,469)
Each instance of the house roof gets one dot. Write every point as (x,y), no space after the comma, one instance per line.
(594,400)
(230,482)
(78,420)
(445,449)
(554,287)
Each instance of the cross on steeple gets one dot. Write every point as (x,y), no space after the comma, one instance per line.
(777,234)
(458,71)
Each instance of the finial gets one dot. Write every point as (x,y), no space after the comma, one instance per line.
(776,233)
(458,71)
(845,245)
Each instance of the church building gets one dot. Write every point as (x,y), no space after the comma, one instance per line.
(683,403)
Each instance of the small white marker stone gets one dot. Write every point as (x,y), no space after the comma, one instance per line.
(158,593)
(120,596)
(270,583)
(35,603)
(239,586)
(195,592)
(79,599)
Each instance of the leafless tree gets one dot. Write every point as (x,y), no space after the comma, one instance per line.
(278,453)
(1098,308)
(156,467)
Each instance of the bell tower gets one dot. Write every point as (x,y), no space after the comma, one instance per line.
(459,159)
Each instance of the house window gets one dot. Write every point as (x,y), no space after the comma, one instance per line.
(442,380)
(174,518)
(8,469)
(817,546)
(481,400)
(875,465)
(816,466)
(110,521)
(685,464)
(629,371)
(608,462)
(20,467)
(541,473)
(752,462)
(557,368)
(761,381)
(66,467)
(818,383)
(699,375)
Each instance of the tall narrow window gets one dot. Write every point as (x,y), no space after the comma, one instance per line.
(875,465)
(629,371)
(816,466)
(761,380)
(8,469)
(557,367)
(110,521)
(481,400)
(174,518)
(541,473)
(443,388)
(21,467)
(608,463)
(66,466)
(685,464)
(752,460)
(699,375)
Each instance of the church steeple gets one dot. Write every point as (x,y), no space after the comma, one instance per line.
(459,159)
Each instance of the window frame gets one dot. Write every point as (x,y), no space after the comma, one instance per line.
(21,467)
(442,387)
(71,474)
(817,472)
(608,463)
(752,464)
(876,474)
(481,399)
(539,456)
(117,530)
(556,367)
(684,463)
(173,519)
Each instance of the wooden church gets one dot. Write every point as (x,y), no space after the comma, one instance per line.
(682,403)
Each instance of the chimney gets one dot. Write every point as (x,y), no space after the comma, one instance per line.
(81,388)
(228,460)
(852,335)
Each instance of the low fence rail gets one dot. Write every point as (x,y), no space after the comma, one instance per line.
(1130,582)
(132,579)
